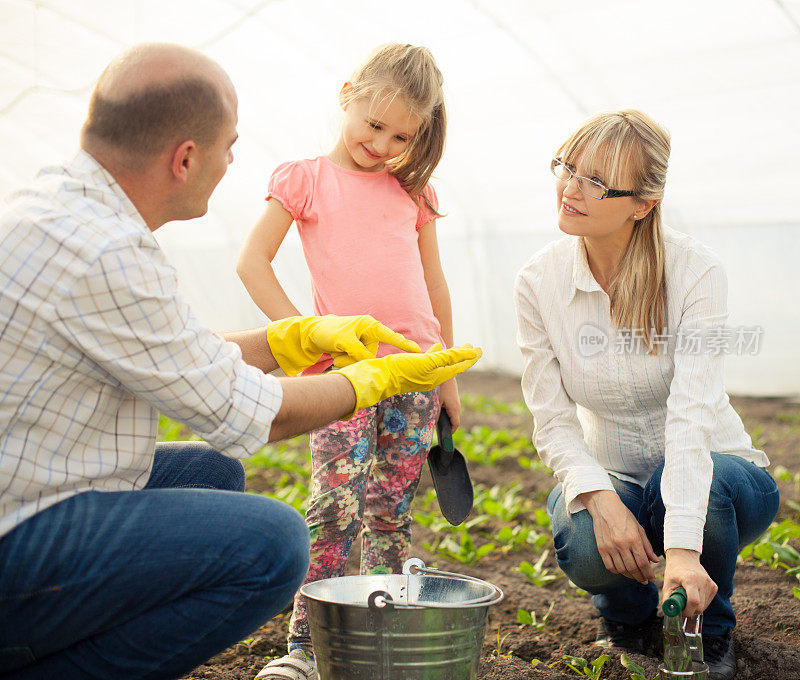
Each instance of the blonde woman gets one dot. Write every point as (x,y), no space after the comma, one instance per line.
(620,325)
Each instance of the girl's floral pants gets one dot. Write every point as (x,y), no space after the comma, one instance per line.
(365,472)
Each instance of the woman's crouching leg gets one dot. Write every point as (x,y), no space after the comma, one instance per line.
(616,597)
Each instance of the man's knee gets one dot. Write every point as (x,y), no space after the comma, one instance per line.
(192,464)
(283,543)
(226,474)
(233,473)
(271,543)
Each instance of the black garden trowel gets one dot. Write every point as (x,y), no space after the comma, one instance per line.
(450,475)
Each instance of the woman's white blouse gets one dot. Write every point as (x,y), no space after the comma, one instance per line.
(602,405)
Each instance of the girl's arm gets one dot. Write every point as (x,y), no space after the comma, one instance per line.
(255,262)
(439,294)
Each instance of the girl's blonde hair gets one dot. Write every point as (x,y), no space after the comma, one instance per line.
(631,151)
(410,73)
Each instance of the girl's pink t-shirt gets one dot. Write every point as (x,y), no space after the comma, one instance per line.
(359,236)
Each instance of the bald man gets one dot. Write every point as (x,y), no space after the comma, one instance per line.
(121,558)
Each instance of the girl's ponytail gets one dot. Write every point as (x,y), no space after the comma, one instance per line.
(413,168)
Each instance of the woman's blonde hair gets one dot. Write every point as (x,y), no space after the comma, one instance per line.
(410,73)
(631,151)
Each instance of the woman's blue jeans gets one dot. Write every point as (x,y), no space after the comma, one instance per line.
(742,503)
(150,583)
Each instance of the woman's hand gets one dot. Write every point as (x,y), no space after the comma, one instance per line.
(451,402)
(621,540)
(683,568)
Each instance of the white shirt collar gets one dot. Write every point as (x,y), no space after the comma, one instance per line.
(85,164)
(582,277)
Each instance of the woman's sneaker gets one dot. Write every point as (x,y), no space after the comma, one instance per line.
(296,665)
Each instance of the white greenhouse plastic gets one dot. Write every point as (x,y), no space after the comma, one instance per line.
(722,75)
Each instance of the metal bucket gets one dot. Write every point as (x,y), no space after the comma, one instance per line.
(423,624)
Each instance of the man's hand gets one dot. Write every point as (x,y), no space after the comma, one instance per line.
(683,568)
(377,379)
(621,540)
(298,342)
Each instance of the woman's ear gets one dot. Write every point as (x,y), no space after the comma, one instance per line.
(345,94)
(642,208)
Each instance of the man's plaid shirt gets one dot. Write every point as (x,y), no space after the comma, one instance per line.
(95,342)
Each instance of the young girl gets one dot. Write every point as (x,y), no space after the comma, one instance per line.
(366,218)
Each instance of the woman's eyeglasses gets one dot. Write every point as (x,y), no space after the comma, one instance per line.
(591,187)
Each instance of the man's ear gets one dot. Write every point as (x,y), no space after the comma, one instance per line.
(183,160)
(346,94)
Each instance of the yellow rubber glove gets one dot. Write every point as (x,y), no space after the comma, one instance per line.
(376,379)
(298,342)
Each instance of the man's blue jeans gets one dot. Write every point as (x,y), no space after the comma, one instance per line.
(742,503)
(150,583)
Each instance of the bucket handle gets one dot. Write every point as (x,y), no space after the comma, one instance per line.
(415,565)
(380,599)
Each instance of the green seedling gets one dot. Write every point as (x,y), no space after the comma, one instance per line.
(485,446)
(535,464)
(579,592)
(791,418)
(435,522)
(280,458)
(429,500)
(636,671)
(498,651)
(489,406)
(441,528)
(773,549)
(537,573)
(541,518)
(505,503)
(295,495)
(582,667)
(521,536)
(784,475)
(528,618)
(756,436)
(464,550)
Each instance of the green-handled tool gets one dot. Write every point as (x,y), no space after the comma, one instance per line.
(450,474)
(677,655)
(675,603)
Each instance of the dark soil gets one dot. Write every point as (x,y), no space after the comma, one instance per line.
(767,637)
